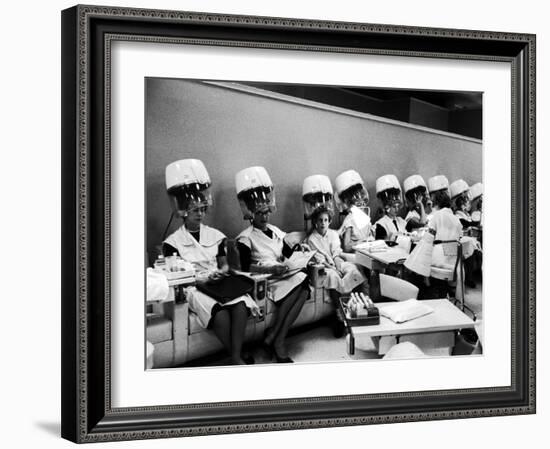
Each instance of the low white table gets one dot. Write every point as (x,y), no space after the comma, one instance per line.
(442,323)
(378,260)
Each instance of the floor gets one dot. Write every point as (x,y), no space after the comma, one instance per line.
(317,344)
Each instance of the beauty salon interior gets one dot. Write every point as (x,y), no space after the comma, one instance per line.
(304,224)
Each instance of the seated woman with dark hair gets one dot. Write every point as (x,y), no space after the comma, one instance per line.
(460,202)
(352,200)
(204,247)
(416,196)
(263,250)
(391,225)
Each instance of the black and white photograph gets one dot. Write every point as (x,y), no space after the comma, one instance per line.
(302,223)
(274,220)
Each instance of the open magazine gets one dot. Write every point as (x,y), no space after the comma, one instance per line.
(298,261)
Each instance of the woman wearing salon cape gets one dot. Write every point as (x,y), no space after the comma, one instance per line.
(188,183)
(262,249)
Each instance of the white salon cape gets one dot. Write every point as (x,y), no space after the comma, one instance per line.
(269,251)
(392,229)
(202,255)
(359,223)
(412,214)
(328,247)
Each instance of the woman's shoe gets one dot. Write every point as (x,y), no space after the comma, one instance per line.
(248,359)
(281,359)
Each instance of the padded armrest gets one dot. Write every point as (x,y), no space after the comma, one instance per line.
(292,238)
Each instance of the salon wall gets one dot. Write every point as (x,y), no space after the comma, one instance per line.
(230,130)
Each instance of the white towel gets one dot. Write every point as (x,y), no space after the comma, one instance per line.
(404,310)
(157,286)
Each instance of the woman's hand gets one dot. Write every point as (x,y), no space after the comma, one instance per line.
(216,275)
(318,258)
(278,269)
(338,263)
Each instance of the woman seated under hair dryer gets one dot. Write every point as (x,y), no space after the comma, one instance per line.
(460,202)
(391,225)
(352,199)
(341,276)
(316,192)
(263,249)
(188,183)
(476,193)
(416,195)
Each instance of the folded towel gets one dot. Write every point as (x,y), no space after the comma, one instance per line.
(372,246)
(157,286)
(404,310)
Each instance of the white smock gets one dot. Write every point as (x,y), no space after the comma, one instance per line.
(360,225)
(447,227)
(412,214)
(269,251)
(390,227)
(202,255)
(328,247)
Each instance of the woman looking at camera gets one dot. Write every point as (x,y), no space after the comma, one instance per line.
(391,225)
(188,183)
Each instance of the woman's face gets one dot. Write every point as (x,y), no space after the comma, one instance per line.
(428,205)
(195,217)
(261,218)
(392,209)
(476,204)
(322,223)
(358,199)
(393,205)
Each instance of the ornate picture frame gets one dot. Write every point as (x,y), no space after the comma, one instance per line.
(88,33)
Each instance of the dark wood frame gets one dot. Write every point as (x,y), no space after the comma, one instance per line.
(87,32)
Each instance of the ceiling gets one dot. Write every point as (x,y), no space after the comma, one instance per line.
(451,100)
